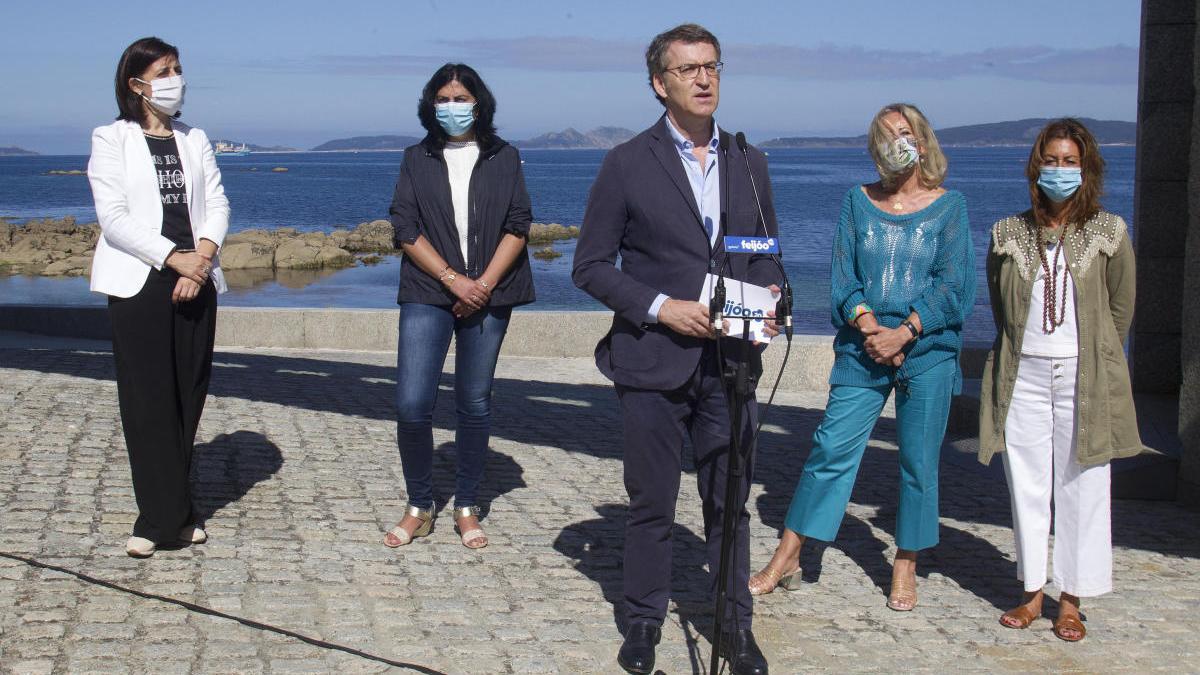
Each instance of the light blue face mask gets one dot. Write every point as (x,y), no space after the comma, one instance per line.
(456,118)
(1058,183)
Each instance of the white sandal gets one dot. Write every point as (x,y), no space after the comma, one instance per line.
(472,535)
(402,535)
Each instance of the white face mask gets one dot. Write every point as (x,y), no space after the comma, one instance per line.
(899,154)
(166,94)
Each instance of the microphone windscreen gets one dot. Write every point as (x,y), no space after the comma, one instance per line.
(724,143)
(740,139)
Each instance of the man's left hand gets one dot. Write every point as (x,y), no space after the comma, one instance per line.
(771,327)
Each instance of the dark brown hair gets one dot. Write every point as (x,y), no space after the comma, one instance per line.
(1085,203)
(656,53)
(137,58)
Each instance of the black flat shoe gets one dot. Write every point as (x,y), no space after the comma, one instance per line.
(743,654)
(637,653)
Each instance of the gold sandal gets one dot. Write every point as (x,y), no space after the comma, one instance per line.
(769,579)
(402,536)
(475,537)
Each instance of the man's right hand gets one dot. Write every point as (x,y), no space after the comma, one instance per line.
(686,317)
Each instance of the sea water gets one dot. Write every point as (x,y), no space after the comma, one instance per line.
(325,191)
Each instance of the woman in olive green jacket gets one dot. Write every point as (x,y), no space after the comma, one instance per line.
(1056,397)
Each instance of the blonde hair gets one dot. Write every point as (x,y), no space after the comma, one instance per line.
(932,163)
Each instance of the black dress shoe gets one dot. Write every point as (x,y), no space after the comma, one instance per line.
(743,654)
(637,653)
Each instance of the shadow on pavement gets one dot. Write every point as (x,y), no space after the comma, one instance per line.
(583,418)
(501,475)
(228,467)
(596,547)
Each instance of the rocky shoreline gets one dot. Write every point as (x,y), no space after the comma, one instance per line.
(62,247)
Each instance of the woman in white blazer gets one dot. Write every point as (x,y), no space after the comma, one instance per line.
(163,215)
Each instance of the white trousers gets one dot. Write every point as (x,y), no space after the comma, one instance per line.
(1040,463)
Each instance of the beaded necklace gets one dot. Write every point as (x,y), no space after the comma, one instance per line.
(1049,300)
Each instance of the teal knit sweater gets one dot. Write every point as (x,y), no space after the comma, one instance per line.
(898,264)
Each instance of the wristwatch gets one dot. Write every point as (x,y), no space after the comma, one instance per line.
(911,328)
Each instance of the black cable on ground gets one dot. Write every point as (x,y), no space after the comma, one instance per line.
(222,615)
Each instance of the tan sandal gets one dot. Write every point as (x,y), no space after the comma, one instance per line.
(474,538)
(1069,622)
(1023,615)
(401,537)
(769,578)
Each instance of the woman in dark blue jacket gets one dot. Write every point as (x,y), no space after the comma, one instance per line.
(461,216)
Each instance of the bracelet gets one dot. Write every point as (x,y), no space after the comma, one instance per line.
(485,284)
(911,328)
(446,276)
(858,312)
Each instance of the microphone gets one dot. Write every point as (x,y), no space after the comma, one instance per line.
(716,306)
(783,308)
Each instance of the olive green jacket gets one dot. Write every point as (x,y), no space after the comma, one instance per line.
(1101,261)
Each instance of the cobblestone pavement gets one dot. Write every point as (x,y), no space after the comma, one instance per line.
(298,474)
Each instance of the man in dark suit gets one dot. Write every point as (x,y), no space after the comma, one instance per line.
(658,204)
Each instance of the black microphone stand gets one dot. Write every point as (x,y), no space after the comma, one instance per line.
(736,394)
(739,375)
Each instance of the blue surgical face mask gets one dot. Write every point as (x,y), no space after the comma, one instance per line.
(1058,183)
(456,118)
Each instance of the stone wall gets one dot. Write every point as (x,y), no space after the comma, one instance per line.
(1167,219)
(1189,395)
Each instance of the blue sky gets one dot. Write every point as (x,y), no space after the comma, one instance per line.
(302,72)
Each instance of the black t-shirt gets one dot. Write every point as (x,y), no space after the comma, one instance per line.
(177,223)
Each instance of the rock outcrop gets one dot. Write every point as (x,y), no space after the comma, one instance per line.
(56,247)
(61,247)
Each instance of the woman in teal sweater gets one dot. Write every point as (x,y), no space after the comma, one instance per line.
(903,283)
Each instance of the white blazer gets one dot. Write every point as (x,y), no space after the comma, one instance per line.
(125,188)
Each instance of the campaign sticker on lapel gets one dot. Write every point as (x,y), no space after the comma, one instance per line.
(751,245)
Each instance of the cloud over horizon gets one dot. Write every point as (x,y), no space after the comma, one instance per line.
(1107,65)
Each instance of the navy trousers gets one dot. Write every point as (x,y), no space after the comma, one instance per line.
(654,425)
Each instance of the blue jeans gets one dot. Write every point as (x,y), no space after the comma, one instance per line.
(424,340)
(921,412)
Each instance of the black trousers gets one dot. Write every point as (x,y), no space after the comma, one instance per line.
(654,426)
(163,355)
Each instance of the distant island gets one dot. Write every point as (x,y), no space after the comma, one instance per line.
(14,151)
(1017,133)
(367,143)
(602,138)
(252,147)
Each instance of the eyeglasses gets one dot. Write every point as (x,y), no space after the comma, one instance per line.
(690,71)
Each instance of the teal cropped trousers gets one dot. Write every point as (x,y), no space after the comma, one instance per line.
(922,407)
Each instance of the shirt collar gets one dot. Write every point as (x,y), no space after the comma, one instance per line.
(685,145)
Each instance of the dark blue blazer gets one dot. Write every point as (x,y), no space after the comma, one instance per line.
(641,208)
(498,204)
